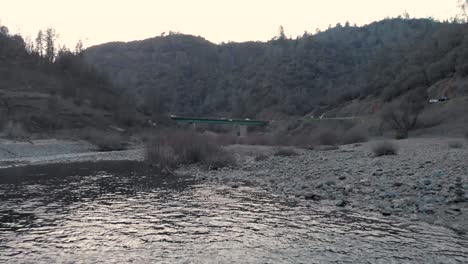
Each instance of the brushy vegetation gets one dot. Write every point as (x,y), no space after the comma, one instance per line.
(384,148)
(171,148)
(328,137)
(355,135)
(311,137)
(261,158)
(105,141)
(455,144)
(285,152)
(403,116)
(15,130)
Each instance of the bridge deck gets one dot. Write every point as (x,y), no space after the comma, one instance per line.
(246,122)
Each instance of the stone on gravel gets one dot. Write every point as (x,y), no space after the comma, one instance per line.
(312,196)
(341,203)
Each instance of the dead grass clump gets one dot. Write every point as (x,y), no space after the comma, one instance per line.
(384,148)
(171,148)
(106,141)
(285,152)
(455,144)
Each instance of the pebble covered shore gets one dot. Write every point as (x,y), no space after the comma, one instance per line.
(427,180)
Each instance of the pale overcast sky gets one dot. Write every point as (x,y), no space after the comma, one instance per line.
(99,21)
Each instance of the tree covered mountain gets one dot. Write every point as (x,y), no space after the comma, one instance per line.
(43,86)
(188,75)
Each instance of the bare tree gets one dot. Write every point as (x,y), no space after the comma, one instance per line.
(403,116)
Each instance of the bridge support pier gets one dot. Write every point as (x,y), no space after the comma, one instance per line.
(243,131)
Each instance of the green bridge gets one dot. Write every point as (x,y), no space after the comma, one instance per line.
(243,123)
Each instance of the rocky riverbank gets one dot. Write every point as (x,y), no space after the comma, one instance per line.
(427,180)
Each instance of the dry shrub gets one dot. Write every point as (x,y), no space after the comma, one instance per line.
(455,144)
(303,141)
(105,141)
(311,136)
(257,139)
(285,152)
(15,131)
(403,116)
(219,160)
(225,139)
(326,147)
(261,158)
(384,148)
(328,137)
(171,148)
(355,135)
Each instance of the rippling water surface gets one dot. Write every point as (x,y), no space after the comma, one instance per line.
(116,212)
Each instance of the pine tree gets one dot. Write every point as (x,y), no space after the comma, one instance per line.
(40,43)
(50,38)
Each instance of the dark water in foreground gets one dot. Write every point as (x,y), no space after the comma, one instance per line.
(119,212)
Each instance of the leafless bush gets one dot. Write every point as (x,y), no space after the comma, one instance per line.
(15,131)
(162,155)
(225,139)
(317,135)
(328,137)
(355,135)
(326,147)
(384,148)
(303,141)
(106,141)
(402,116)
(221,159)
(261,157)
(455,144)
(170,148)
(258,139)
(285,152)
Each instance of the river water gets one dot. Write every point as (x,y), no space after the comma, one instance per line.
(120,212)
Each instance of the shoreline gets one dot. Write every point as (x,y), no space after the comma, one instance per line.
(51,151)
(417,184)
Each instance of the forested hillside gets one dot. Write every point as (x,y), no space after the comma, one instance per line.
(188,75)
(43,87)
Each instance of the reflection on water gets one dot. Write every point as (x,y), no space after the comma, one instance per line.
(117,212)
